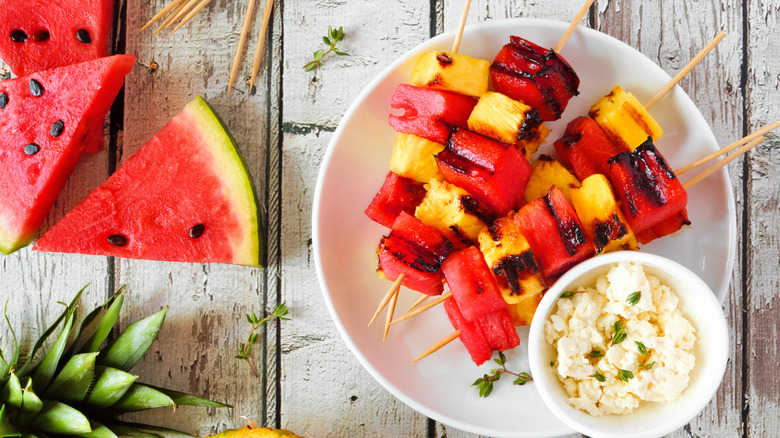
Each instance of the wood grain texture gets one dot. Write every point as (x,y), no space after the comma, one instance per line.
(671,33)
(762,300)
(325,391)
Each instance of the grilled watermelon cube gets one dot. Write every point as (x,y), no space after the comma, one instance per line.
(624,119)
(428,113)
(604,223)
(473,286)
(555,233)
(585,148)
(548,172)
(495,173)
(451,71)
(647,188)
(471,335)
(396,195)
(453,212)
(509,256)
(535,76)
(666,227)
(499,330)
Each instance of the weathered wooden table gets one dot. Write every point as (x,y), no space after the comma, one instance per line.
(310,382)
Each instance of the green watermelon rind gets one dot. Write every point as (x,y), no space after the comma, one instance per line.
(230,167)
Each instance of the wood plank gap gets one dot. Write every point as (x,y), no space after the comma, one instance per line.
(593,15)
(745,225)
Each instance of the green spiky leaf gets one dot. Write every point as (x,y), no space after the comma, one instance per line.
(126,431)
(11,394)
(91,319)
(74,380)
(141,397)
(98,431)
(150,428)
(31,405)
(6,367)
(6,428)
(59,418)
(25,369)
(110,385)
(132,344)
(184,399)
(44,371)
(107,322)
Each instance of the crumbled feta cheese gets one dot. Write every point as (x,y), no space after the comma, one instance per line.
(586,322)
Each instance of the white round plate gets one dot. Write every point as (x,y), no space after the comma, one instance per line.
(345,240)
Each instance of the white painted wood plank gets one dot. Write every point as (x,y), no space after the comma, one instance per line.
(206,321)
(325,391)
(671,33)
(763,301)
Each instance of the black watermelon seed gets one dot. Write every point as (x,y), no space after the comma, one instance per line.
(83,36)
(3,100)
(197,231)
(57,128)
(31,149)
(117,240)
(40,36)
(18,36)
(36,88)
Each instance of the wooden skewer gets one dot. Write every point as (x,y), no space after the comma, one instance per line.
(241,43)
(418,302)
(722,163)
(269,5)
(192,13)
(573,26)
(172,5)
(184,11)
(171,16)
(451,337)
(459,35)
(728,148)
(396,286)
(422,309)
(669,85)
(390,311)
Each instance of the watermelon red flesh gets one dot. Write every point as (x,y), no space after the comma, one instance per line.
(78,95)
(473,286)
(470,334)
(62,20)
(499,330)
(495,173)
(189,177)
(667,226)
(647,188)
(554,232)
(396,195)
(429,113)
(585,148)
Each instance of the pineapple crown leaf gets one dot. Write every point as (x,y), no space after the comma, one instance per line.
(107,322)
(6,428)
(141,397)
(44,371)
(183,399)
(149,428)
(131,345)
(7,367)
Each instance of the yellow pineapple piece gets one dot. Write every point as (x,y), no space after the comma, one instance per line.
(522,312)
(507,120)
(624,119)
(413,157)
(448,208)
(548,172)
(451,71)
(595,204)
(509,256)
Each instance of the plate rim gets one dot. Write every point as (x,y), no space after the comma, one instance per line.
(327,156)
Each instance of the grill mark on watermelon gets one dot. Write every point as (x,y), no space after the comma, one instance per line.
(571,234)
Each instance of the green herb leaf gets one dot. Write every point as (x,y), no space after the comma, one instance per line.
(522,379)
(333,37)
(595,353)
(633,298)
(649,365)
(326,40)
(641,347)
(567,294)
(625,375)
(598,376)
(552,363)
(619,335)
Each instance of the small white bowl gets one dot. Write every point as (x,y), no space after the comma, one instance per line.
(651,419)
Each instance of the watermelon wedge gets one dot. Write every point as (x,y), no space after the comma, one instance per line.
(37,35)
(184,196)
(43,121)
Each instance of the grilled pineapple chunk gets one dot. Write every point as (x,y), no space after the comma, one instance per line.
(601,217)
(522,312)
(547,173)
(509,256)
(451,71)
(509,121)
(448,209)
(624,119)
(414,158)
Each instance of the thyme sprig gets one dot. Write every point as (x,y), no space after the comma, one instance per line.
(619,335)
(485,383)
(333,37)
(245,350)
(633,298)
